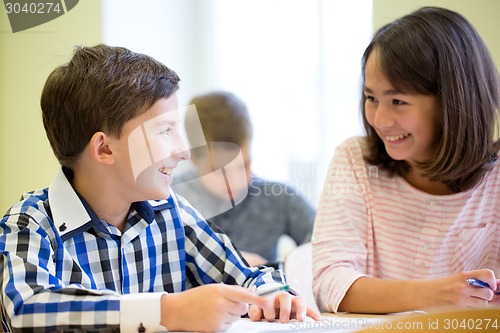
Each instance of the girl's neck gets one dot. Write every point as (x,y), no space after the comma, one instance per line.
(415,179)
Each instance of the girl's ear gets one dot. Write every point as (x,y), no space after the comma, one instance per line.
(99,148)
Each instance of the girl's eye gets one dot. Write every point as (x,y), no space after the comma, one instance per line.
(370,99)
(398,102)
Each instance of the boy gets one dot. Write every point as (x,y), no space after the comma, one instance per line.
(91,251)
(254,212)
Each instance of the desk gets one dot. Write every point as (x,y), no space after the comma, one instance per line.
(450,319)
(338,323)
(460,320)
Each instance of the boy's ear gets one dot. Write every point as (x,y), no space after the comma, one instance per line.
(99,148)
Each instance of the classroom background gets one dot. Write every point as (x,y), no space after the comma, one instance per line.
(296,63)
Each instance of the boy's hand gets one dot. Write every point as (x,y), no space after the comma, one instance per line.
(284,307)
(208,308)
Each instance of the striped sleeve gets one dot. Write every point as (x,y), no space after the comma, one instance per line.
(339,242)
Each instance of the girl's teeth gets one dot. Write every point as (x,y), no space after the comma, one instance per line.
(396,137)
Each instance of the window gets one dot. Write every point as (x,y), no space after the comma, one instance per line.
(295,63)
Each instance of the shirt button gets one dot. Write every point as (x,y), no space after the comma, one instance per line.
(423,264)
(432,205)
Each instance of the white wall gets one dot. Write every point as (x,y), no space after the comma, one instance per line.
(175,32)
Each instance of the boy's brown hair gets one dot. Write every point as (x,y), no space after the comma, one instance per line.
(223,117)
(435,51)
(100,89)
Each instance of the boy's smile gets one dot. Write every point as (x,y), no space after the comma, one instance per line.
(166,171)
(150,149)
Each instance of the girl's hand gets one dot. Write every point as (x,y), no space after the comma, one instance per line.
(454,290)
(496,296)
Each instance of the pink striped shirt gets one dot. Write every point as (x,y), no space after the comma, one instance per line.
(369,224)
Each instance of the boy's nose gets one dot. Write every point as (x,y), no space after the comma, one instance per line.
(184,154)
(181,150)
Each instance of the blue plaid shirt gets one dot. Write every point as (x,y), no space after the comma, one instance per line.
(62,267)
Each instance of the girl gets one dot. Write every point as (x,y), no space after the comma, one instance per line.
(410,212)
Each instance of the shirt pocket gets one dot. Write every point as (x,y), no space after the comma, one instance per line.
(474,247)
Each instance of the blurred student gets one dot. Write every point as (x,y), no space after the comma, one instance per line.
(109,245)
(252,211)
(418,215)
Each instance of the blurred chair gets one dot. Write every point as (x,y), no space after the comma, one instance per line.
(298,271)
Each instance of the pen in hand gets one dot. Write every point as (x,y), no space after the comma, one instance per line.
(480,284)
(273,290)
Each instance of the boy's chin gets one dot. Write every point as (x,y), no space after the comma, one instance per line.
(155,187)
(157,194)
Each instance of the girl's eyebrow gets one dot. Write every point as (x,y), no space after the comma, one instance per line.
(389,92)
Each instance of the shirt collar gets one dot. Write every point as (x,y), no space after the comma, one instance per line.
(71,214)
(147,209)
(68,212)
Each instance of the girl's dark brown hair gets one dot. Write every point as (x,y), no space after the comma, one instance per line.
(434,51)
(100,89)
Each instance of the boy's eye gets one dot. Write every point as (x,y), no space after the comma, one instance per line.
(166,131)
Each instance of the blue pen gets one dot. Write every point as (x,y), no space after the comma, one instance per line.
(480,284)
